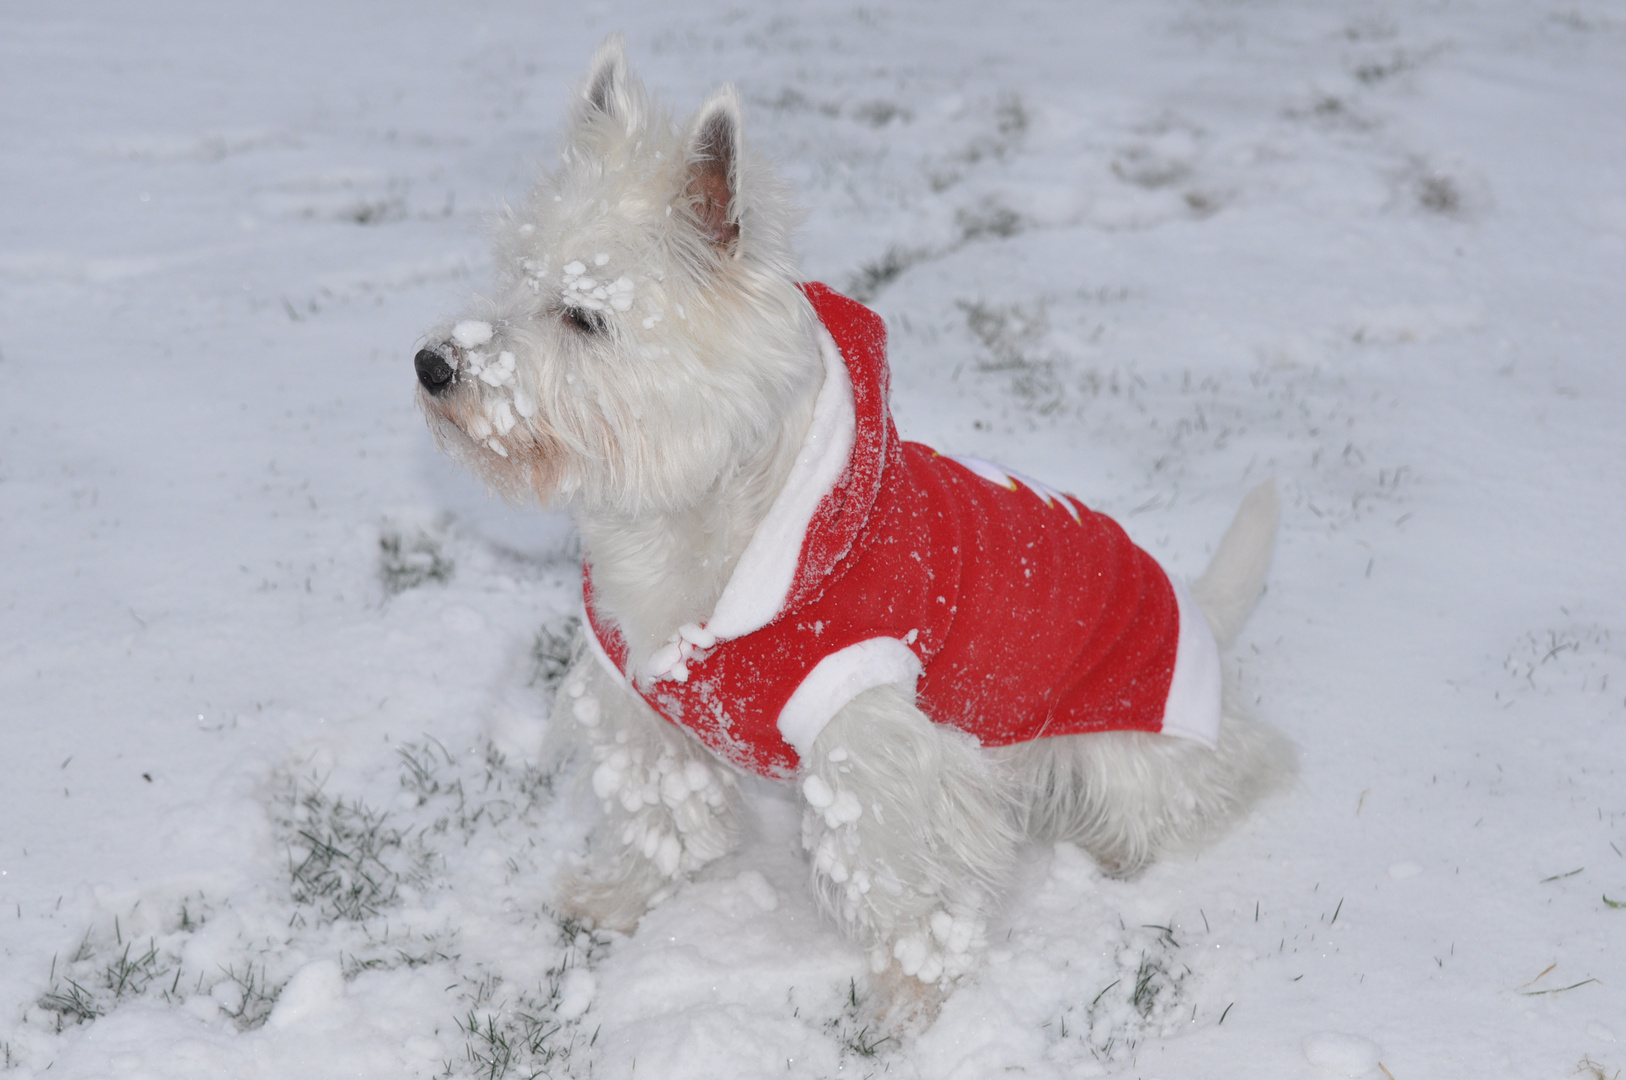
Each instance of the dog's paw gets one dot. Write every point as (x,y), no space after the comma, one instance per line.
(905,1006)
(915,974)
(610,898)
(1121,863)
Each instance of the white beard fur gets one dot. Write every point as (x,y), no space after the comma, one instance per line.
(668,417)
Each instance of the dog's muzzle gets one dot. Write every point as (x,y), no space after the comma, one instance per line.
(433,371)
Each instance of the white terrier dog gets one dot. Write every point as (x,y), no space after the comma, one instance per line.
(947,659)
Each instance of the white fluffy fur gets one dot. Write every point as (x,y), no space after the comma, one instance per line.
(665,400)
(669,807)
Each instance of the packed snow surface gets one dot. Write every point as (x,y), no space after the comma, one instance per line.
(1340,1054)
(275,677)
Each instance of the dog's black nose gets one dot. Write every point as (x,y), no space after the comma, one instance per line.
(433,371)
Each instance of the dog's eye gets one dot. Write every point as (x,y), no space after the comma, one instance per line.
(585,320)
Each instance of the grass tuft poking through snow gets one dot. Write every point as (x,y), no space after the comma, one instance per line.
(1594,1070)
(345,860)
(876,274)
(1013,333)
(409,557)
(1148,999)
(104,971)
(247,997)
(854,1028)
(533,1033)
(552,653)
(361,889)
(111,968)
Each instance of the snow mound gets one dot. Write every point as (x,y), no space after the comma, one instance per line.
(1345,1055)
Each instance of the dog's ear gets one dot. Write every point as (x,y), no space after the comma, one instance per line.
(605,90)
(713,153)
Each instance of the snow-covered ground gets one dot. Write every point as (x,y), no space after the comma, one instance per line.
(274,677)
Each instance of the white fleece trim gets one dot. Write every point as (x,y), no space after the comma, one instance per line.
(839,678)
(1192,710)
(761,581)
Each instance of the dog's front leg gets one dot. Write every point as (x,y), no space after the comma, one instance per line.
(912,838)
(669,807)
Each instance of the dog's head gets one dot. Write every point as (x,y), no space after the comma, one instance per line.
(645,334)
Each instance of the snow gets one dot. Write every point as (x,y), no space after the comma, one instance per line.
(576,993)
(593,294)
(1342,1055)
(817,793)
(315,991)
(471,333)
(274,676)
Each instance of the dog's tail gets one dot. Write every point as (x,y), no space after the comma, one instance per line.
(1235,576)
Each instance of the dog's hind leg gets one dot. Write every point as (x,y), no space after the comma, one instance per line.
(669,806)
(912,837)
(1126,796)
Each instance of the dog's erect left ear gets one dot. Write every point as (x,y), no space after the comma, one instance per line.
(713,154)
(605,90)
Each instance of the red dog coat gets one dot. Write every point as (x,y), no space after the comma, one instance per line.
(1012,610)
